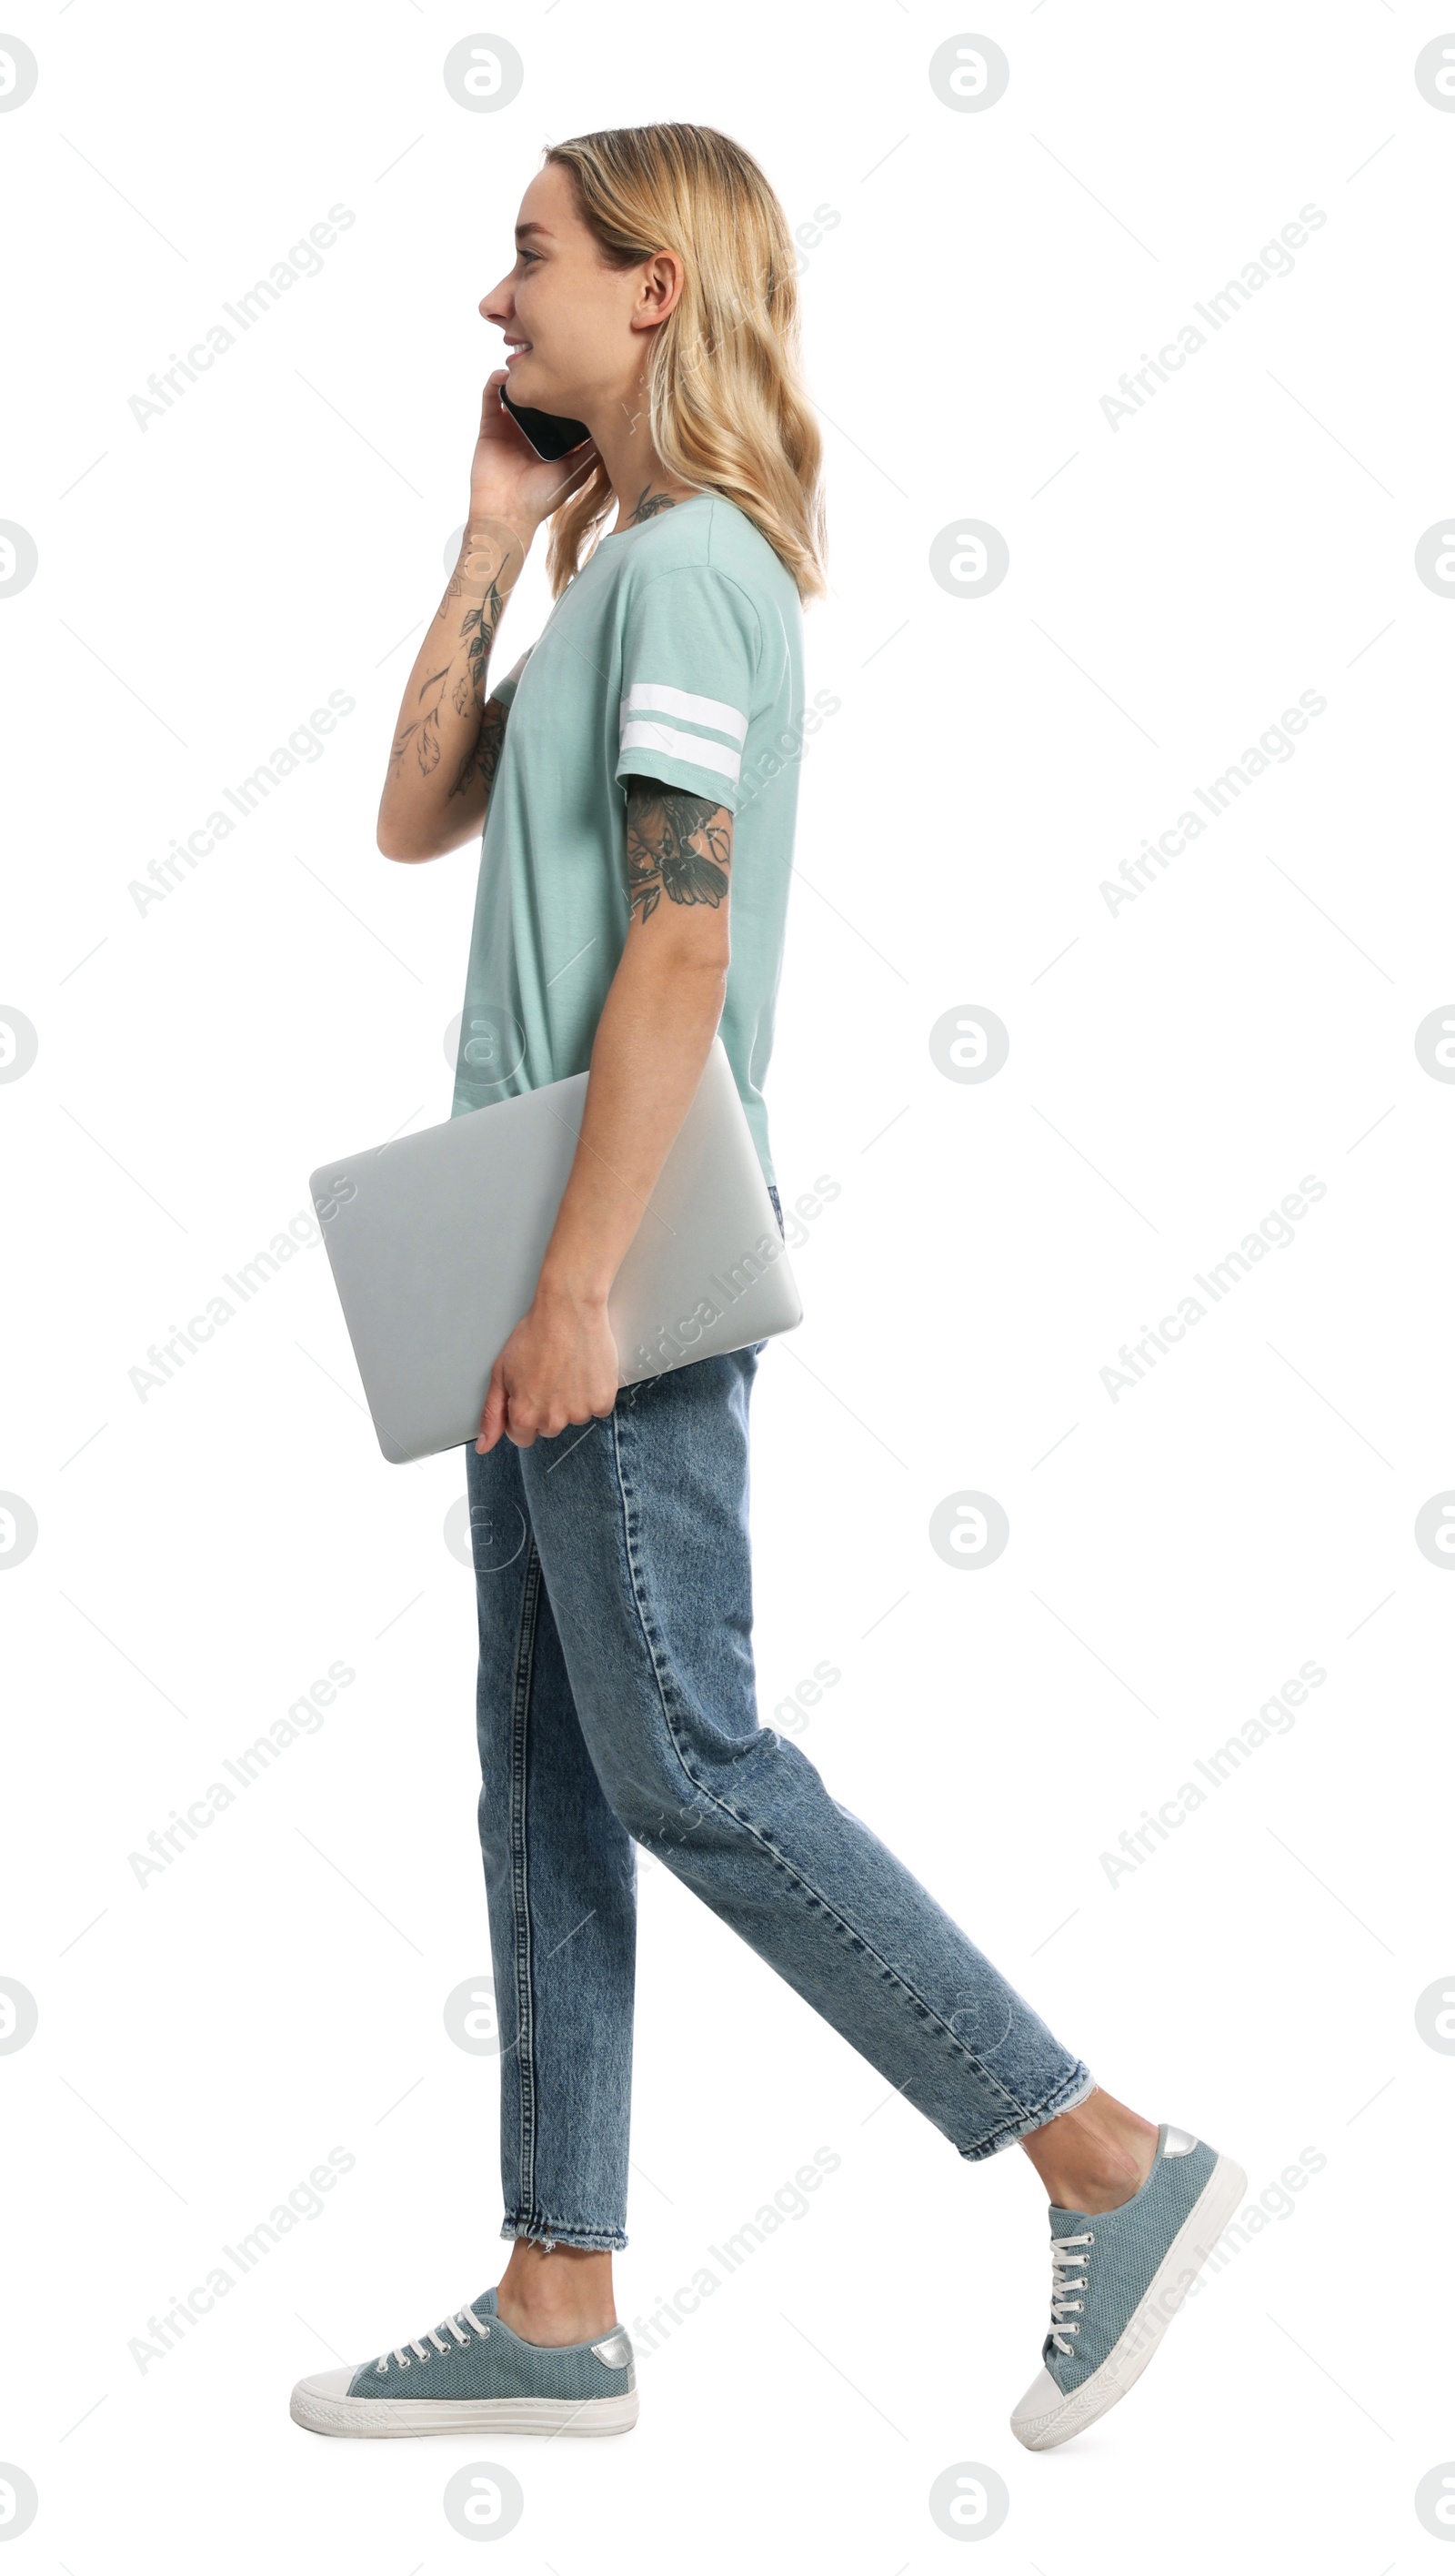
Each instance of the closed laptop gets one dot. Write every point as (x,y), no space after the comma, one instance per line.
(436,1242)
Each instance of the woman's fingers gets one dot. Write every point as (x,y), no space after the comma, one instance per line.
(493,1412)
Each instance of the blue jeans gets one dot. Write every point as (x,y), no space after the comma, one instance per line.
(616,1706)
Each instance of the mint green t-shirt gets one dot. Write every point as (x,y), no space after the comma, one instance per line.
(675,653)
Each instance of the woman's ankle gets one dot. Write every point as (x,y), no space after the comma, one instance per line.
(1096,2157)
(556,2297)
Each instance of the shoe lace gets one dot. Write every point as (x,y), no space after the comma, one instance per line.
(1068,2273)
(434,2336)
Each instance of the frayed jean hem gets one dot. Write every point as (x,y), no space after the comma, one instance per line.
(1067,2097)
(543,2231)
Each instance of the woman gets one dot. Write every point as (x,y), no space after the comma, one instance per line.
(638,808)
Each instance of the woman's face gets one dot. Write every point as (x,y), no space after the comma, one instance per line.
(576,331)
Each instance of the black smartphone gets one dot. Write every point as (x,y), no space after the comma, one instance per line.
(548,433)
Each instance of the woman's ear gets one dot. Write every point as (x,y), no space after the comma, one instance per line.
(662,282)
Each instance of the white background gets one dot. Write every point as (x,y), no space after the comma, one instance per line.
(1175,1069)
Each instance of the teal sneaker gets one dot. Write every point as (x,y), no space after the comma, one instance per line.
(470,2374)
(1118,2280)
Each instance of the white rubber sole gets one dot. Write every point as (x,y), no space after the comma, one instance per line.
(1041,2429)
(399,2419)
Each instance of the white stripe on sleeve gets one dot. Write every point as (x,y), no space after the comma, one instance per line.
(693,747)
(653,697)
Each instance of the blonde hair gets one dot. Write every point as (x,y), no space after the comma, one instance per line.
(728,410)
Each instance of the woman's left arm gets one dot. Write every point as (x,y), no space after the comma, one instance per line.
(656,1027)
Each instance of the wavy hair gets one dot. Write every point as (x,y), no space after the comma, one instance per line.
(728,410)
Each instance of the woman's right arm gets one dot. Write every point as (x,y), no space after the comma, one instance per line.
(448,736)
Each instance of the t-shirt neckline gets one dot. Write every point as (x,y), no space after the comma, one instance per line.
(611,538)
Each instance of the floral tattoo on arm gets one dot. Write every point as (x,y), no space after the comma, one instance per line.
(677,844)
(422,735)
(483,757)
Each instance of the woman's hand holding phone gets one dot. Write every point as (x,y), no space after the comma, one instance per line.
(447,737)
(509,483)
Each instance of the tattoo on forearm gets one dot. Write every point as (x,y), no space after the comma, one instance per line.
(423,732)
(677,844)
(477,634)
(483,757)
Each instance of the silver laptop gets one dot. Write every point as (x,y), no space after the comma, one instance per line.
(436,1242)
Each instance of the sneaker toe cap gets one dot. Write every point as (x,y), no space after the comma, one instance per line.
(1041,2400)
(328,2383)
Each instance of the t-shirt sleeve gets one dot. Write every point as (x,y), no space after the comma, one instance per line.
(690,650)
(504,689)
